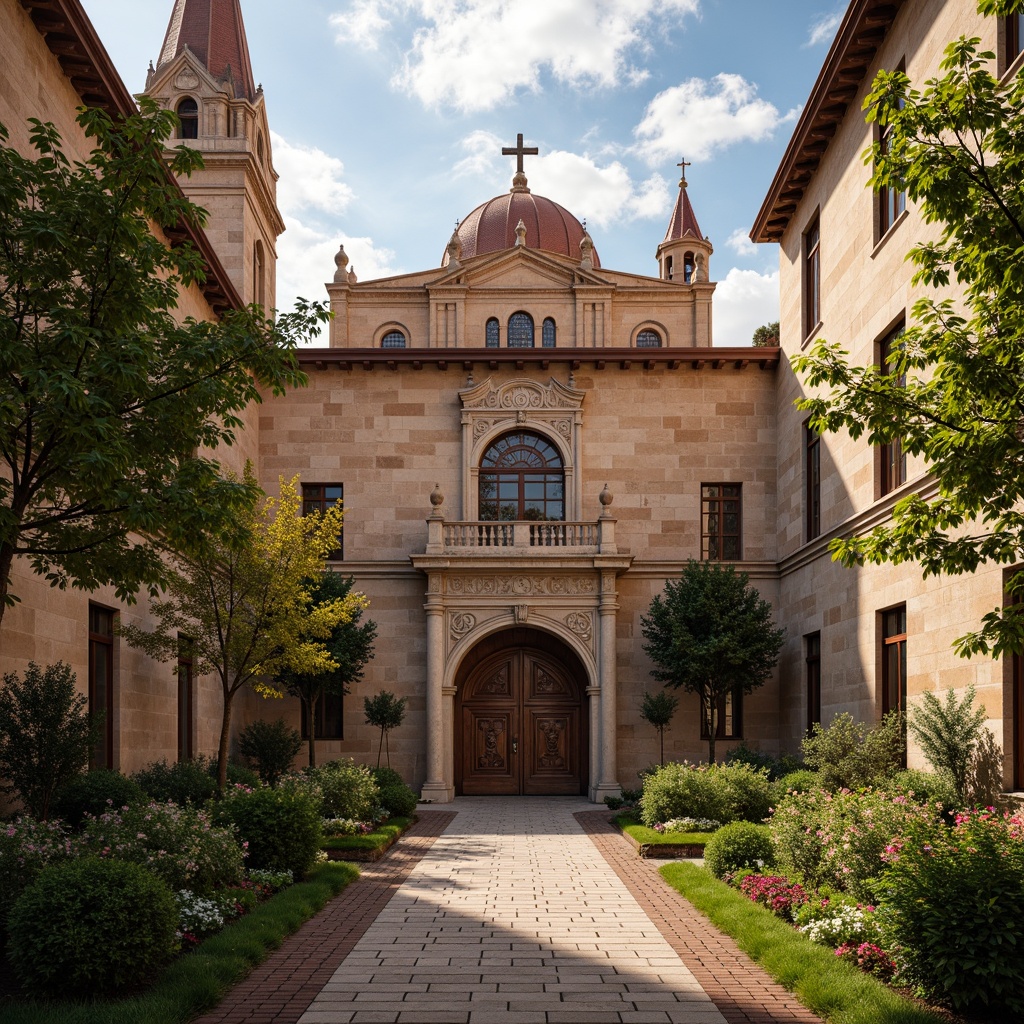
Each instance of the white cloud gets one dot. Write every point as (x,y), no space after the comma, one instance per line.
(362,24)
(310,178)
(824,29)
(701,116)
(474,54)
(743,302)
(312,197)
(481,159)
(740,243)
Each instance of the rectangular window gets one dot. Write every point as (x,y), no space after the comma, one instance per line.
(812,662)
(812,278)
(891,202)
(186,699)
(730,717)
(1013,39)
(812,481)
(894,665)
(720,515)
(892,458)
(101,684)
(329,719)
(1016,599)
(319,498)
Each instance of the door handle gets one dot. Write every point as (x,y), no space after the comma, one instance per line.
(515,745)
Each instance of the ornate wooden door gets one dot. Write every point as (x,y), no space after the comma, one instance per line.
(522,727)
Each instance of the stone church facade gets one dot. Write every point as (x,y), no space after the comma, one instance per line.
(529,443)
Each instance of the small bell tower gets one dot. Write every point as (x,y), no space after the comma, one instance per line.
(204,75)
(684,258)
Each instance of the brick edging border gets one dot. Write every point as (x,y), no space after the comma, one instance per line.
(743,992)
(281,989)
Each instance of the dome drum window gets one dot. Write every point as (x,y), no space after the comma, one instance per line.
(520,330)
(648,338)
(492,334)
(393,339)
(548,333)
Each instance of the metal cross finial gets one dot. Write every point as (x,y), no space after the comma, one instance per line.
(682,165)
(519,151)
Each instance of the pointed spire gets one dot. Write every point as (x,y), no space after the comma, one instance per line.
(683,220)
(215,32)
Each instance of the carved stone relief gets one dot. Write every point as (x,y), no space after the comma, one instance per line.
(522,586)
(186,79)
(581,624)
(461,624)
(521,613)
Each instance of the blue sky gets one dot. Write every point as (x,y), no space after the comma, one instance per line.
(389,117)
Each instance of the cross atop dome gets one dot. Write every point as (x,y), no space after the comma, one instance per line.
(519,151)
(682,165)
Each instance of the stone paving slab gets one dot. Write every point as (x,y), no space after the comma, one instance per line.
(519,910)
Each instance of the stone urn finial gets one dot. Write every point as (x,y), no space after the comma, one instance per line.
(437,497)
(606,498)
(341,262)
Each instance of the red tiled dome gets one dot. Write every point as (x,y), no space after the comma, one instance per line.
(491,227)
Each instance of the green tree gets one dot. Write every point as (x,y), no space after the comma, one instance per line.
(269,748)
(385,711)
(350,645)
(766,334)
(711,634)
(954,390)
(657,709)
(110,401)
(45,734)
(950,734)
(243,602)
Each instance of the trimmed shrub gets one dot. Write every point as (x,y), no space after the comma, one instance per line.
(91,927)
(348,789)
(282,826)
(26,847)
(739,845)
(270,748)
(801,781)
(95,793)
(776,767)
(238,774)
(849,755)
(839,838)
(45,734)
(722,793)
(952,904)
(926,788)
(178,844)
(187,782)
(398,799)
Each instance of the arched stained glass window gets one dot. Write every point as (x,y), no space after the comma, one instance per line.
(522,477)
(188,115)
(393,339)
(548,333)
(492,337)
(520,330)
(648,339)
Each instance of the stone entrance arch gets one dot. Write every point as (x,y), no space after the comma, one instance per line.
(521,722)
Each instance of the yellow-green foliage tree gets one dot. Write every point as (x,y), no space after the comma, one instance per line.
(243,602)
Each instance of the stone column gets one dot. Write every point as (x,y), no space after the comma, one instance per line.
(594,711)
(608,778)
(435,788)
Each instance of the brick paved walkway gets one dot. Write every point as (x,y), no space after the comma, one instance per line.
(513,917)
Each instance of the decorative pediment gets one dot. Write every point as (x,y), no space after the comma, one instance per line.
(519,268)
(185,73)
(522,395)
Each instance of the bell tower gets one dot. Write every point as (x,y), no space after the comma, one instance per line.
(205,76)
(684,257)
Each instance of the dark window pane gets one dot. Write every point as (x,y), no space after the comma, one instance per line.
(648,339)
(393,339)
(520,330)
(491,334)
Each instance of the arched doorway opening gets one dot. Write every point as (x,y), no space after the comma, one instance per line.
(521,717)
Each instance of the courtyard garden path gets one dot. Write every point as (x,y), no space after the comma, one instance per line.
(512,910)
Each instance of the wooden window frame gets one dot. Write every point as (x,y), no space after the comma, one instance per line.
(730,717)
(102,754)
(719,534)
(189,121)
(1011,30)
(316,499)
(186,699)
(892,459)
(812,276)
(812,672)
(549,477)
(812,482)
(336,719)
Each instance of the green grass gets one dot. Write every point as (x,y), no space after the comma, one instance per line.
(198,981)
(375,840)
(835,990)
(649,837)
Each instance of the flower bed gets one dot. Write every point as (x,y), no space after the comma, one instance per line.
(661,842)
(369,845)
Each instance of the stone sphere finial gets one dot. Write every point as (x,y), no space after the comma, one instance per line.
(437,496)
(606,497)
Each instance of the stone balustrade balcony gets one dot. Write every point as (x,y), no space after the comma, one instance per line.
(523,538)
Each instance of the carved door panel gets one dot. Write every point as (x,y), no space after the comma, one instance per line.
(521,727)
